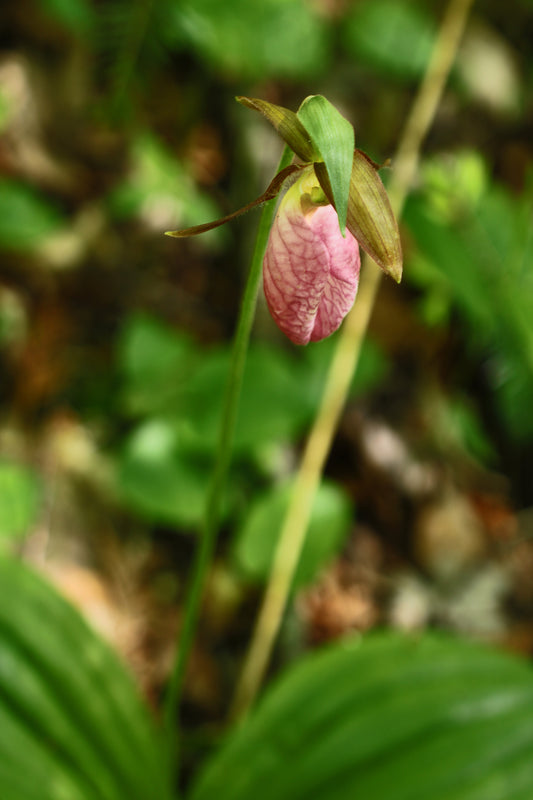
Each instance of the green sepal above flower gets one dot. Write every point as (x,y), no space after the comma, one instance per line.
(334,139)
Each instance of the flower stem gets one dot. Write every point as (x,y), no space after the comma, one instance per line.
(343,366)
(294,528)
(209,530)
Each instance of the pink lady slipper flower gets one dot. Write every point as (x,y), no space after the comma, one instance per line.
(310,271)
(337,203)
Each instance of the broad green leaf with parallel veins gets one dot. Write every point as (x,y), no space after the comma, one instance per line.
(334,138)
(72,726)
(389,716)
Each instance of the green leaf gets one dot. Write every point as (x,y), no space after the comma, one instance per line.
(514,394)
(273,406)
(6,110)
(72,726)
(476,247)
(334,138)
(156,362)
(329,525)
(159,189)
(159,478)
(389,717)
(459,422)
(76,15)
(284,38)
(26,217)
(395,36)
(19,500)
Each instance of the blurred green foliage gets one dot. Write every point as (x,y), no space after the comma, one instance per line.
(19,501)
(5,110)
(72,726)
(172,389)
(282,38)
(473,252)
(446,718)
(329,525)
(393,37)
(159,184)
(27,216)
(78,16)
(389,717)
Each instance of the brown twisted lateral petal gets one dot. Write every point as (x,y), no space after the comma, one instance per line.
(271,192)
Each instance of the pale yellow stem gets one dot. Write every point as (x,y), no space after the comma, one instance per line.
(342,368)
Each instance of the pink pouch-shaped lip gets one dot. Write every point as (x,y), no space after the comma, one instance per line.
(310,271)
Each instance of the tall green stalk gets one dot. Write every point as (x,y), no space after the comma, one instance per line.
(209,531)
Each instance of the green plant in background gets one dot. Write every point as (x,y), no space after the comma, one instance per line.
(171,391)
(387,716)
(158,184)
(26,216)
(251,39)
(402,48)
(256,540)
(19,502)
(71,723)
(474,248)
(243,39)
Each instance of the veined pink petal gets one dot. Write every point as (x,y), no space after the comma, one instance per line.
(310,272)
